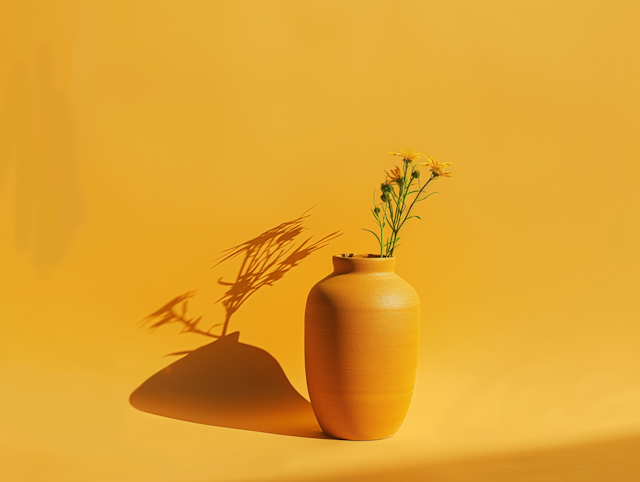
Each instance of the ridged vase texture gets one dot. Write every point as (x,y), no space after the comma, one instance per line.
(362,326)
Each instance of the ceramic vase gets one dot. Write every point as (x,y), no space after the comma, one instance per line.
(362,325)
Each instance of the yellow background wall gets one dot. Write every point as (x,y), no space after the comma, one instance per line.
(138,140)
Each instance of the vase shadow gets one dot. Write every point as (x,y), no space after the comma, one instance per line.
(229,384)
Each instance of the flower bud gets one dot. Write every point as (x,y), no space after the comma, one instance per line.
(376,210)
(415,174)
(384,198)
(386,188)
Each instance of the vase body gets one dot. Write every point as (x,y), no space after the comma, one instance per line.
(362,326)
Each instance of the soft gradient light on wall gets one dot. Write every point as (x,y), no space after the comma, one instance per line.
(138,140)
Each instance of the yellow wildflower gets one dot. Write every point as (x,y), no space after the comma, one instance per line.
(437,168)
(394,175)
(408,154)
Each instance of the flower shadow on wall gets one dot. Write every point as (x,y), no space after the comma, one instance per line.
(227,383)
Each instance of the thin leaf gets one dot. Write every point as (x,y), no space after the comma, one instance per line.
(373,234)
(431,193)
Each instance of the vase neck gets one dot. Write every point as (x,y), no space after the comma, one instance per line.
(362,263)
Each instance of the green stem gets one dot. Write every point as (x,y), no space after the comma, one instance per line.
(401,203)
(382,228)
(380,223)
(417,196)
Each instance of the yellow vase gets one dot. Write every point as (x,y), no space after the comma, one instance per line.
(362,325)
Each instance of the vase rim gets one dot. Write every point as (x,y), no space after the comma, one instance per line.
(362,256)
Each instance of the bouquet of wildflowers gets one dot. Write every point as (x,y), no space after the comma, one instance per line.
(400,191)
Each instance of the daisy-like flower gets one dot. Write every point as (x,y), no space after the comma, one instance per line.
(394,175)
(437,168)
(408,154)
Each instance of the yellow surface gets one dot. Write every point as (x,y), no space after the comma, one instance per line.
(139,140)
